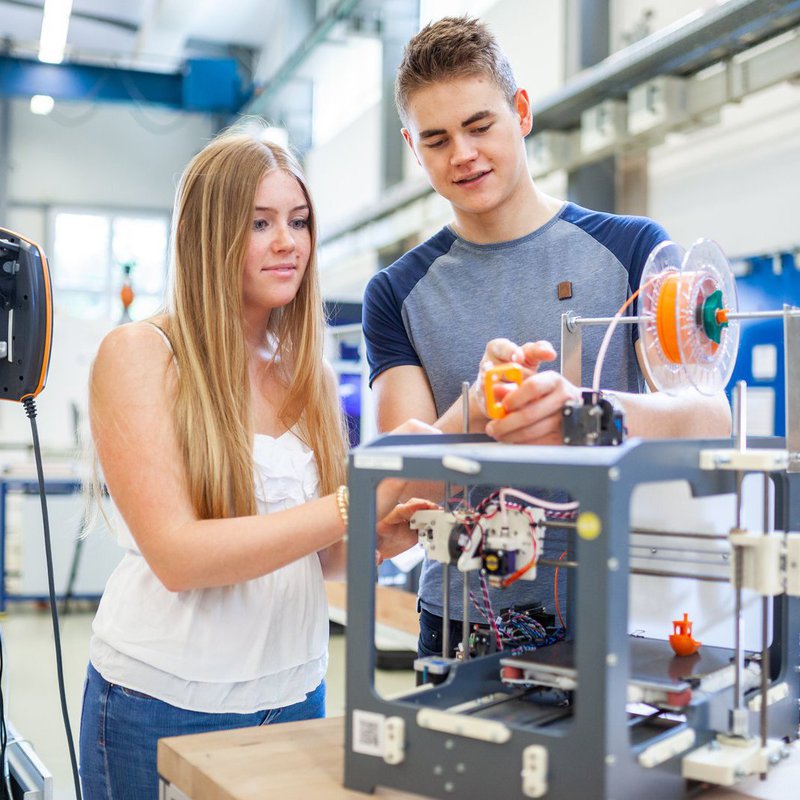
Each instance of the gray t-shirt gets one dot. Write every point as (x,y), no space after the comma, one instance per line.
(438,306)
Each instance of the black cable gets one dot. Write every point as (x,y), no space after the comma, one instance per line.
(30,409)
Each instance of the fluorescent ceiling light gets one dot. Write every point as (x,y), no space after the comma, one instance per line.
(55,23)
(42,104)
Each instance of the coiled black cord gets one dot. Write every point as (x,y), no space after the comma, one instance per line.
(30,410)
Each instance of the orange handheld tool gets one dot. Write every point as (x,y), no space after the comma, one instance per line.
(505,373)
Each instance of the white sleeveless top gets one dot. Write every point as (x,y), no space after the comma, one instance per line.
(255,645)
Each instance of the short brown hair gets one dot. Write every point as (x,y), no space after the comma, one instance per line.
(452,47)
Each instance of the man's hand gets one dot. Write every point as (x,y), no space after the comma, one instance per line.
(503,351)
(533,410)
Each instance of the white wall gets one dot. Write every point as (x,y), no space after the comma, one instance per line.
(100,157)
(531,32)
(735,182)
(344,173)
(629,21)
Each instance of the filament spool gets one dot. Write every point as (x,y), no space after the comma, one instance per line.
(687,340)
(656,318)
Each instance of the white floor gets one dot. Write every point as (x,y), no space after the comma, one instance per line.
(30,689)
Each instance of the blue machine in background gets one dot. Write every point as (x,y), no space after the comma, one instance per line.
(344,321)
(350,397)
(767,282)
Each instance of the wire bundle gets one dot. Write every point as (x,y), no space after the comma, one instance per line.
(513,628)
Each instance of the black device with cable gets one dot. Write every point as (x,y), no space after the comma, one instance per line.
(596,419)
(26,317)
(26,334)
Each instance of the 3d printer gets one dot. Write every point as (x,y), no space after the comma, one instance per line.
(587,709)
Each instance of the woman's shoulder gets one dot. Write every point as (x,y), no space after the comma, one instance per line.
(134,339)
(132,352)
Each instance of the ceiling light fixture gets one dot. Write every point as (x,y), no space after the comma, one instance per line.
(55,23)
(42,104)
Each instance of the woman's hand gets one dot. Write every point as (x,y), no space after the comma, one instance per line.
(394,534)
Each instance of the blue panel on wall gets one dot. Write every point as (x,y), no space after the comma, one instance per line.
(210,84)
(771,282)
(206,85)
(25,77)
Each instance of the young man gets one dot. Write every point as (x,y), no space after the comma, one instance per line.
(493,274)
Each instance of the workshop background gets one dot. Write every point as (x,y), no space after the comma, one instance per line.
(675,109)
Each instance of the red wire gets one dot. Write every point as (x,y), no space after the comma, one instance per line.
(516,575)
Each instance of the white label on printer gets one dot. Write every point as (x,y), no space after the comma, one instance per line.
(368,733)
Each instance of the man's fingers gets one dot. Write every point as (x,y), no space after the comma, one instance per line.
(532,389)
(535,353)
(504,350)
(549,408)
(539,399)
(543,431)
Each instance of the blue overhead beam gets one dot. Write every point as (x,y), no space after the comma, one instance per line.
(204,85)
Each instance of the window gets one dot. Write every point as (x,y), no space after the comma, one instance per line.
(91,253)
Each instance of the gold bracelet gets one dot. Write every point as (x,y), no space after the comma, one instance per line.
(343,504)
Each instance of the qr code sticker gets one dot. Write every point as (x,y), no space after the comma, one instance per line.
(368,733)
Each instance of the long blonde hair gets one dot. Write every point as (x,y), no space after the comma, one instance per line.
(211,229)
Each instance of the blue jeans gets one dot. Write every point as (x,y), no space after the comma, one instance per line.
(120,729)
(430,635)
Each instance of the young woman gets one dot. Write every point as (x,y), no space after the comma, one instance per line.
(219,434)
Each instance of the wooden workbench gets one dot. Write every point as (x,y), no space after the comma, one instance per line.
(395,609)
(292,760)
(305,760)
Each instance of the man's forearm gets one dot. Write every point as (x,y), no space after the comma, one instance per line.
(659,416)
(452,421)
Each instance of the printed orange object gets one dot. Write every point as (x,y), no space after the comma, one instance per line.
(681,640)
(505,373)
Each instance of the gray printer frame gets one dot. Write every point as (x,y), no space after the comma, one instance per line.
(591,757)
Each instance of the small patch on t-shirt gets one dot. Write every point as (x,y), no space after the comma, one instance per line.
(564,290)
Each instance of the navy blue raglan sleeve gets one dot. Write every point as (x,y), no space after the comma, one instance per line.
(647,236)
(385,335)
(631,240)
